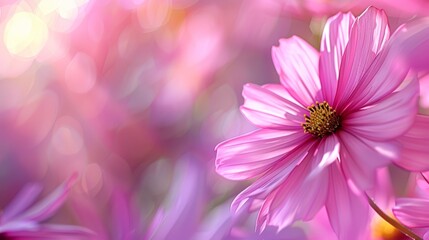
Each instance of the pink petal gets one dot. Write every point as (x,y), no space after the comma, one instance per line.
(22,201)
(369,33)
(415,150)
(412,42)
(361,157)
(299,197)
(266,109)
(249,155)
(413,212)
(424,91)
(347,211)
(262,187)
(47,207)
(281,91)
(334,40)
(389,118)
(327,151)
(296,63)
(407,48)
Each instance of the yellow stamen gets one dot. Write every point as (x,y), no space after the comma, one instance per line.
(323,120)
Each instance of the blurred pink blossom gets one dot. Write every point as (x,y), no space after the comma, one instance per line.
(334,120)
(413,211)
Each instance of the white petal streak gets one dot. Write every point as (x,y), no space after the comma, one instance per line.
(328,151)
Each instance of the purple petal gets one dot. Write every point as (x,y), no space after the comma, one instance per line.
(249,155)
(183,205)
(47,207)
(53,231)
(348,212)
(266,109)
(22,201)
(334,40)
(389,118)
(415,150)
(369,33)
(296,63)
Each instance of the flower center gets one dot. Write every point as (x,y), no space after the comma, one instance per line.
(323,120)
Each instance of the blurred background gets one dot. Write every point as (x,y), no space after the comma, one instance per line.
(134,95)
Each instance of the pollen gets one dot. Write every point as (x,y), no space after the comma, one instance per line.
(383,230)
(323,120)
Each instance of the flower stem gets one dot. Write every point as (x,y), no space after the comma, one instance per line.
(424,177)
(392,221)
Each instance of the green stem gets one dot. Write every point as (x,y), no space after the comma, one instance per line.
(392,221)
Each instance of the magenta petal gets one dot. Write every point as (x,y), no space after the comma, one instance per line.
(369,34)
(296,63)
(415,150)
(348,212)
(407,48)
(249,155)
(360,158)
(21,202)
(292,201)
(334,40)
(45,208)
(389,118)
(266,109)
(262,187)
(412,212)
(281,91)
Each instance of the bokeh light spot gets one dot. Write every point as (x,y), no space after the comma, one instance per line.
(67,138)
(25,34)
(153,14)
(68,10)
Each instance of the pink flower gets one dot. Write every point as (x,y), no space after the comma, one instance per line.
(325,130)
(414,211)
(21,219)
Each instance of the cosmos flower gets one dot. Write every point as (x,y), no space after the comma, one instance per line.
(325,130)
(22,218)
